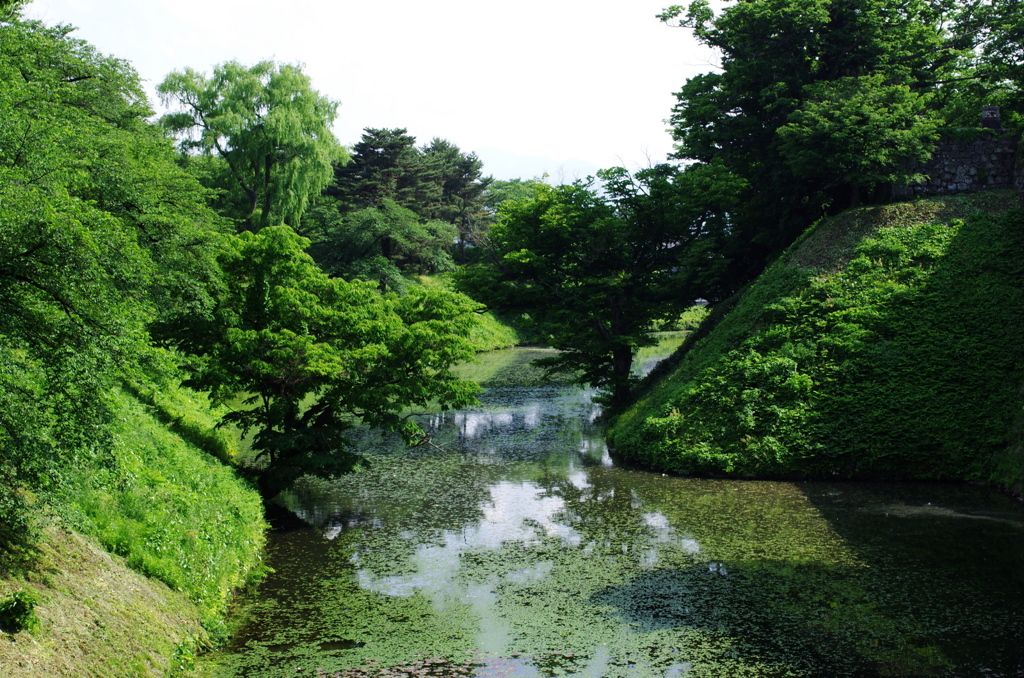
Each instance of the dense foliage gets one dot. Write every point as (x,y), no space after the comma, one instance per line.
(267,134)
(819,104)
(102,233)
(883,345)
(396,209)
(593,273)
(382,243)
(316,354)
(172,512)
(117,270)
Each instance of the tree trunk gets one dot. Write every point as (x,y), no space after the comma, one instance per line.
(265,217)
(622,364)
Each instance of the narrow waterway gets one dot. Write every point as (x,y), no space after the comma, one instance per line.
(517,547)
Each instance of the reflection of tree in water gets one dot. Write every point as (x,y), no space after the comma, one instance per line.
(604,509)
(815,561)
(409,498)
(945,564)
(735,579)
(549,592)
(400,502)
(312,612)
(521,535)
(541,424)
(722,623)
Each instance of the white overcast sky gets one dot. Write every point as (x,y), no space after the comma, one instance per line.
(557,86)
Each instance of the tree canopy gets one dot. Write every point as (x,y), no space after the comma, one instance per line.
(397,209)
(102,233)
(270,129)
(317,354)
(817,103)
(380,243)
(114,269)
(592,271)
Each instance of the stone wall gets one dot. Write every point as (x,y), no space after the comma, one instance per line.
(1018,183)
(987,161)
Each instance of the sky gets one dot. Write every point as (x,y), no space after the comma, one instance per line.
(562,87)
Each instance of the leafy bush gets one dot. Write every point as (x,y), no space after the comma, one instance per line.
(17,612)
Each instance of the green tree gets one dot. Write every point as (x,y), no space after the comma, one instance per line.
(500,190)
(864,131)
(1000,67)
(385,165)
(270,128)
(379,243)
(593,272)
(796,73)
(396,209)
(102,233)
(463,189)
(316,355)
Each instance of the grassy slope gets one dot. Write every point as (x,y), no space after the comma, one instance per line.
(885,343)
(98,618)
(491,332)
(181,532)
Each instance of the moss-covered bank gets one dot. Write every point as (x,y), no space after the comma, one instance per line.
(886,343)
(139,554)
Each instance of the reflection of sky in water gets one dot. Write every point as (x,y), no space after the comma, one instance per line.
(666,534)
(474,424)
(517,512)
(578,478)
(540,501)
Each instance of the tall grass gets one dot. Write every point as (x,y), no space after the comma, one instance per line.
(171,510)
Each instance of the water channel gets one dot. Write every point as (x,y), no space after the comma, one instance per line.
(518,547)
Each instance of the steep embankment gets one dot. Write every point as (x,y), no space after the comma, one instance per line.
(139,555)
(886,343)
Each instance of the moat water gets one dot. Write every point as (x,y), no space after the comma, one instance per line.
(519,547)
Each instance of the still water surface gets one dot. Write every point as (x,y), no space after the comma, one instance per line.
(520,548)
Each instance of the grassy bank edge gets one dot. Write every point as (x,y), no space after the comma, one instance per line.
(140,557)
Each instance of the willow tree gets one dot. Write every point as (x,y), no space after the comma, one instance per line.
(269,128)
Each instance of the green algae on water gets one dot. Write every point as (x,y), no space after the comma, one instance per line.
(519,549)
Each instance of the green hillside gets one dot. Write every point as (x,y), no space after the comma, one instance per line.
(885,343)
(136,558)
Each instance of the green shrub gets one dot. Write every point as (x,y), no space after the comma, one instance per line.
(17,612)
